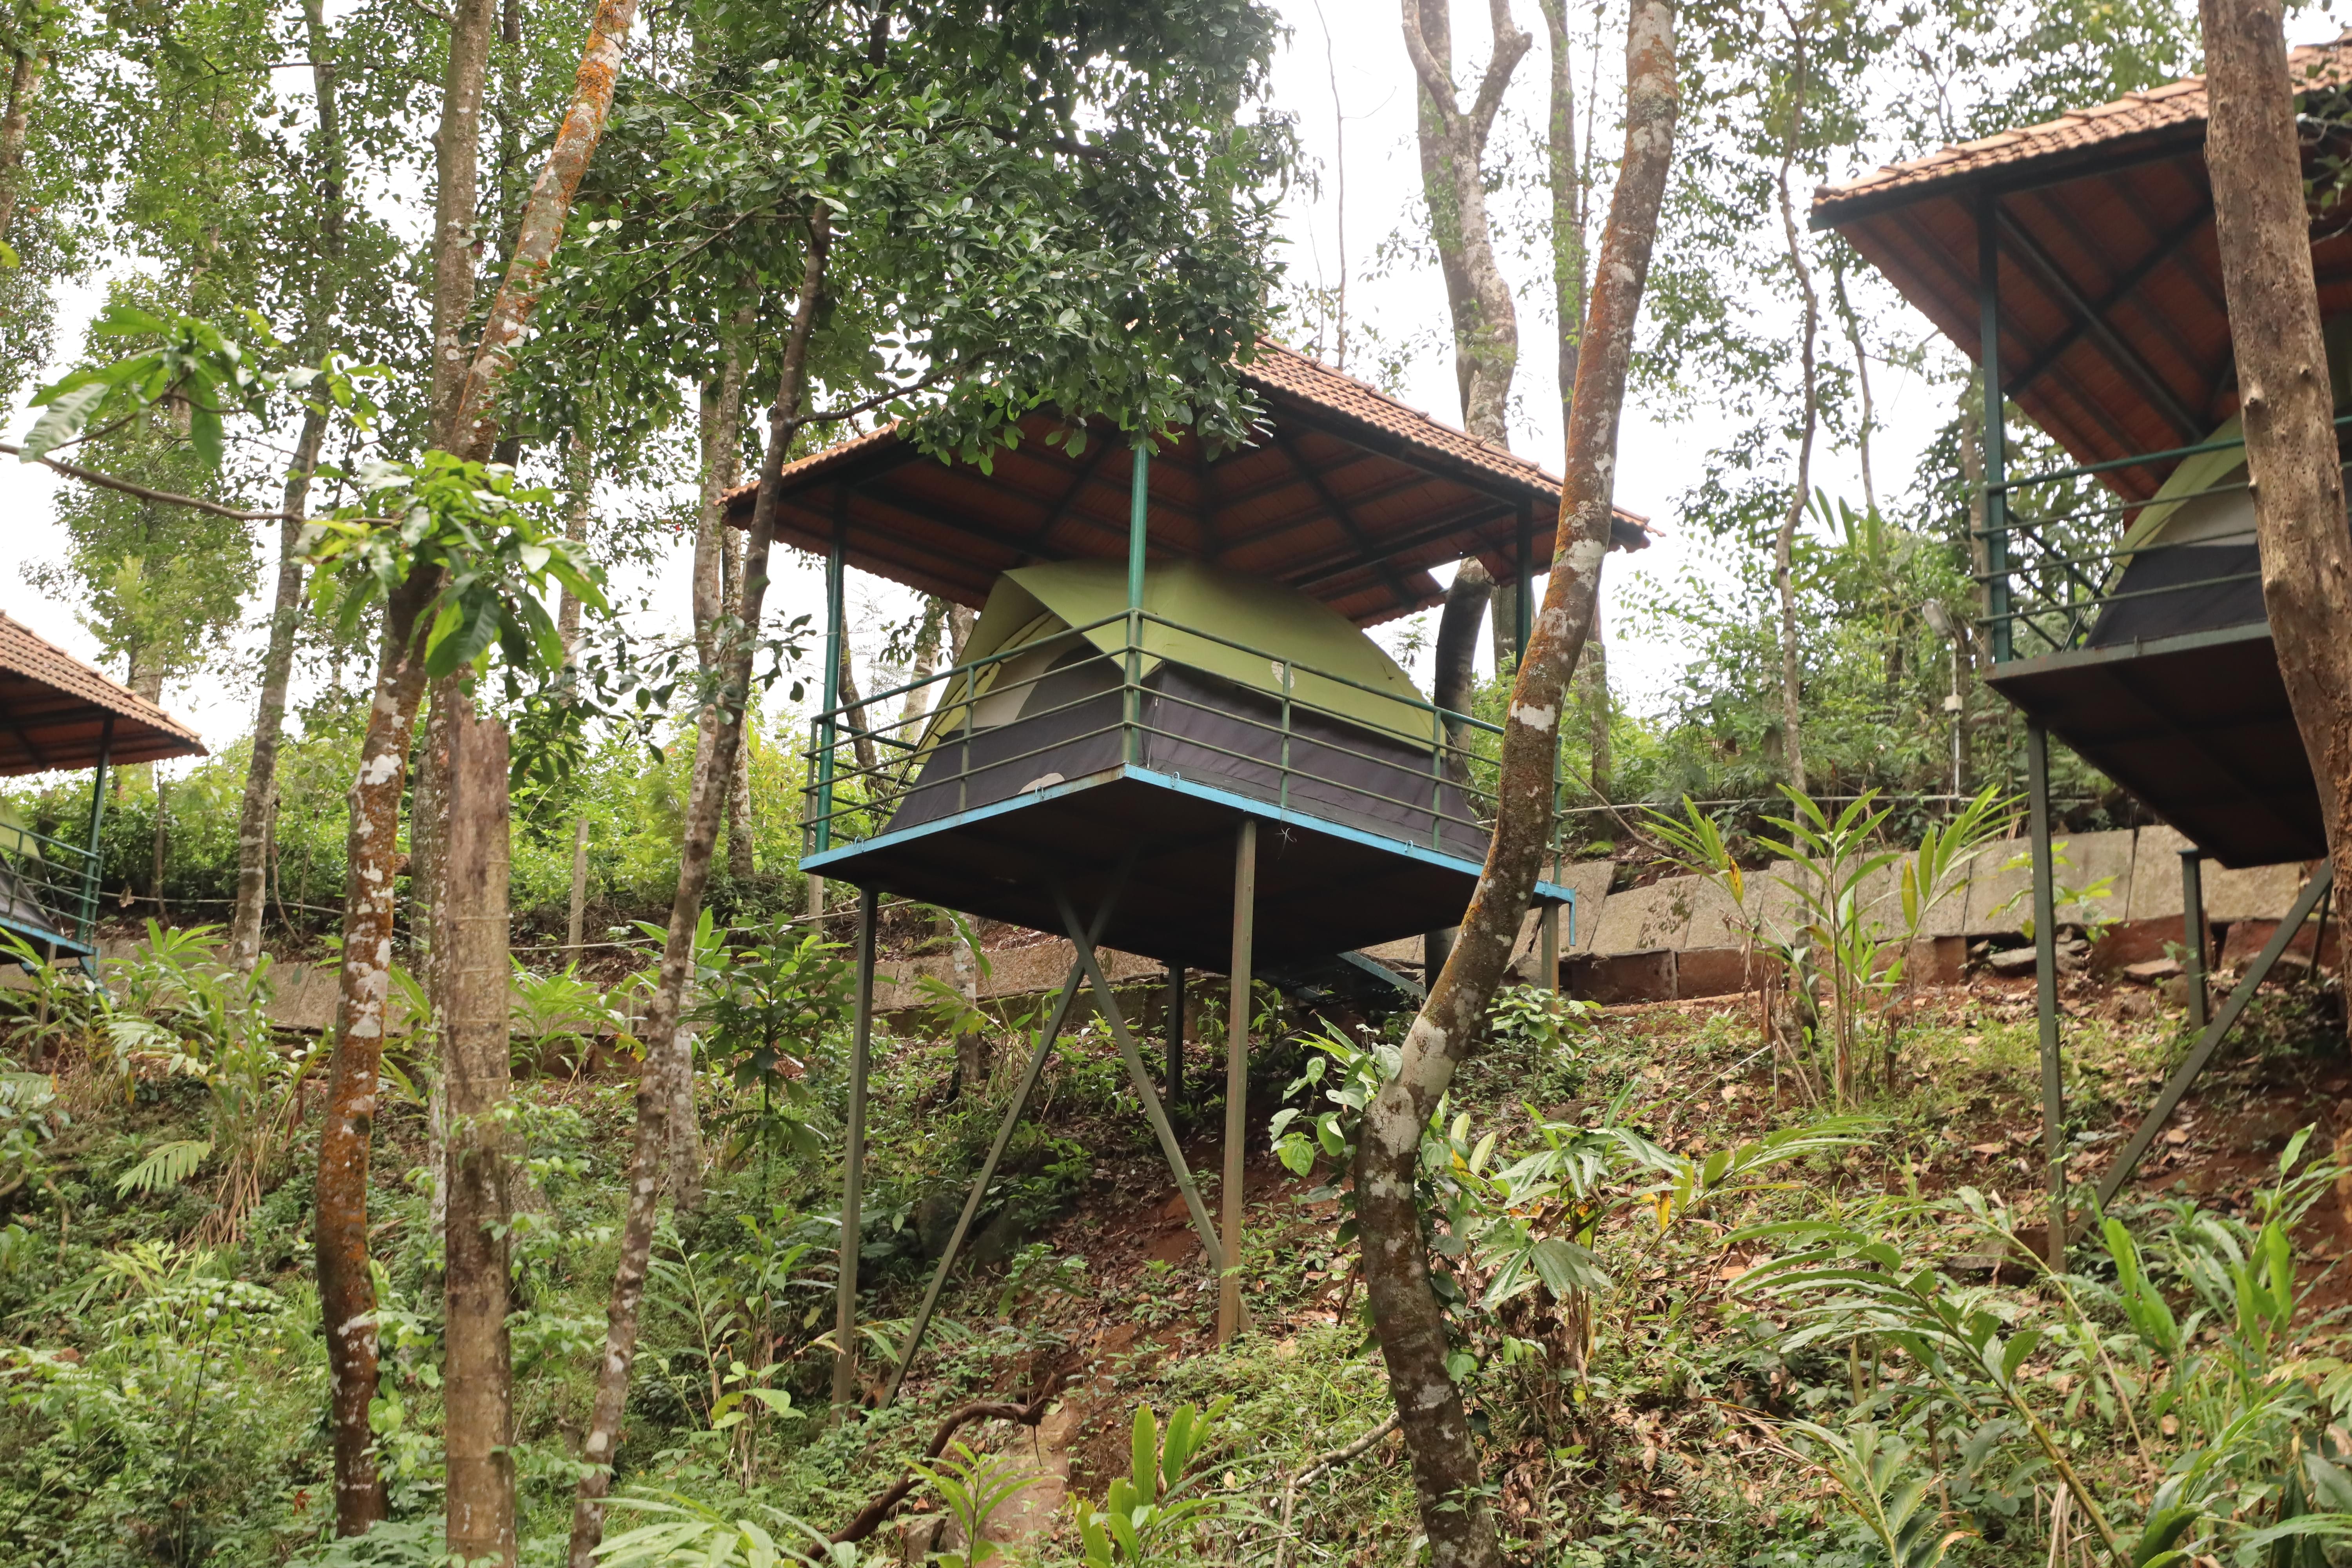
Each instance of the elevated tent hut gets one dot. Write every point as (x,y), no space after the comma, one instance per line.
(1168,732)
(58,714)
(2076,262)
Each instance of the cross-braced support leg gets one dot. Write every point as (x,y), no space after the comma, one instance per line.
(1021,1094)
(1140,1080)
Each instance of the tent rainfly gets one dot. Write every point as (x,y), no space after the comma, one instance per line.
(1246,685)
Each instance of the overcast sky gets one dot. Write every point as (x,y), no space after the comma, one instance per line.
(1360,60)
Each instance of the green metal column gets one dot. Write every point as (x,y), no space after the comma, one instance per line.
(2045,988)
(1996,444)
(1237,1022)
(2192,932)
(1175,1075)
(91,867)
(834,572)
(1139,510)
(1523,605)
(852,1158)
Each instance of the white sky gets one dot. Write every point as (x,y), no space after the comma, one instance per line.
(1366,63)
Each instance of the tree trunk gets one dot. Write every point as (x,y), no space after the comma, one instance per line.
(581,464)
(657,1085)
(162,840)
(455,193)
(255,813)
(1593,697)
(346,1291)
(925,664)
(541,229)
(853,719)
(2263,220)
(715,588)
(478,1369)
(1452,145)
(24,73)
(1784,544)
(959,624)
(1408,1319)
(1466,598)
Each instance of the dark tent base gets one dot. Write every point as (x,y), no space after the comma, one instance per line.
(2176,589)
(1321,889)
(1193,726)
(2197,726)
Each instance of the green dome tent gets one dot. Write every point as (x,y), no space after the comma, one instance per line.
(1246,685)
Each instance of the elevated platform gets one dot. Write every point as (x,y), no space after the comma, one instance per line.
(1322,888)
(2196,726)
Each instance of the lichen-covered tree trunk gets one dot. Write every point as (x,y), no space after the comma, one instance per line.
(464,423)
(478,1368)
(664,1059)
(1407,1316)
(25,68)
(1453,143)
(2263,219)
(346,1291)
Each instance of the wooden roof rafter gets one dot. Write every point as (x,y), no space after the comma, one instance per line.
(1342,480)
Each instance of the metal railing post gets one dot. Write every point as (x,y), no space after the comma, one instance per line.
(1138,511)
(1996,449)
(1282,788)
(829,719)
(2045,988)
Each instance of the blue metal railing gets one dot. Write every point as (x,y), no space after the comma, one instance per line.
(865,759)
(2069,565)
(48,885)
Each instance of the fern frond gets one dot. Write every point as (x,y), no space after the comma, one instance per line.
(168,1166)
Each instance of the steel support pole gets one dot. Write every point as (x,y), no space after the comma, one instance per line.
(1139,1080)
(1996,446)
(1237,1020)
(1548,945)
(853,1161)
(2045,989)
(1175,1074)
(2192,932)
(1021,1094)
(1139,517)
(91,869)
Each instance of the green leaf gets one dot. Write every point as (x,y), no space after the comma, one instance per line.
(167,1166)
(65,409)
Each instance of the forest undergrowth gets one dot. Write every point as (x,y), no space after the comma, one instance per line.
(1697,1318)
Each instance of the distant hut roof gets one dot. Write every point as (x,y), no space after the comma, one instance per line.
(54,708)
(2115,338)
(1347,495)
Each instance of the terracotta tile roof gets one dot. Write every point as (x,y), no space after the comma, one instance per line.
(53,734)
(1282,370)
(2175,106)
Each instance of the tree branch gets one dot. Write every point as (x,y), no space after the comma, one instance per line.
(1433,80)
(166,498)
(870,1518)
(1511,46)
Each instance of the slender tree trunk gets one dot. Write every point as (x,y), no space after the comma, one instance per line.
(1565,172)
(24,71)
(580,463)
(456,195)
(715,588)
(1407,1316)
(163,841)
(2263,220)
(1453,143)
(478,1368)
(1784,545)
(854,717)
(346,1291)
(541,229)
(1869,422)
(664,1062)
(925,664)
(959,624)
(1592,697)
(255,815)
